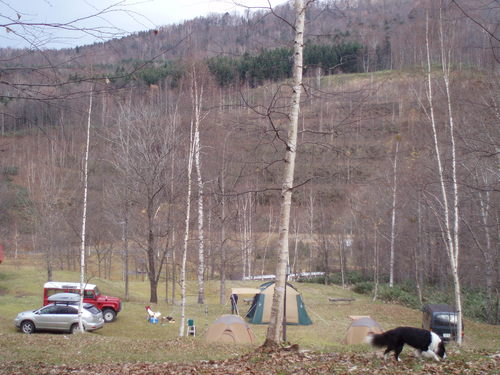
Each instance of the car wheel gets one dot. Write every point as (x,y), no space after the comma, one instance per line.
(75,328)
(109,315)
(27,327)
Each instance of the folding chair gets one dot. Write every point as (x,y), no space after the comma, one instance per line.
(191,328)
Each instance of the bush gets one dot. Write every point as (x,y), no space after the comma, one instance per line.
(399,295)
(9,172)
(312,280)
(364,287)
(475,305)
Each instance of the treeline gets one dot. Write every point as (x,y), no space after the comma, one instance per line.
(276,64)
(252,69)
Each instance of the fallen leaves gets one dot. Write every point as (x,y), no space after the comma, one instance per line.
(278,361)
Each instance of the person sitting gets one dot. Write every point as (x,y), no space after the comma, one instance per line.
(152,316)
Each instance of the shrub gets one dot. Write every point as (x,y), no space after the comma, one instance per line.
(9,172)
(398,294)
(364,287)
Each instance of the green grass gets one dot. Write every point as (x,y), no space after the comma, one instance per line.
(131,339)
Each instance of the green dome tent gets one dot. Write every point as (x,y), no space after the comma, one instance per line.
(260,310)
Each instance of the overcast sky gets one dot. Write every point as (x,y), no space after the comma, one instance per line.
(125,16)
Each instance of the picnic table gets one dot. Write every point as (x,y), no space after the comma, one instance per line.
(345,299)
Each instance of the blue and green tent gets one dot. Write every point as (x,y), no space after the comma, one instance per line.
(260,310)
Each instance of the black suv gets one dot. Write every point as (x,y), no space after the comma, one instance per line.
(441,319)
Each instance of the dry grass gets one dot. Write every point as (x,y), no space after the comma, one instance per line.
(130,338)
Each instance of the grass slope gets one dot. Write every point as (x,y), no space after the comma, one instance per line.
(131,339)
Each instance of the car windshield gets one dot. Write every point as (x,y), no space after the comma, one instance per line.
(97,292)
(446,319)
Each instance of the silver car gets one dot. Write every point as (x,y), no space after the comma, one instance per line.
(60,316)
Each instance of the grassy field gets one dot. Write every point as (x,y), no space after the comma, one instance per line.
(131,339)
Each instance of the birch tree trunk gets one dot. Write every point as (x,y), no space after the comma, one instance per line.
(295,247)
(223,260)
(393,218)
(375,261)
(418,249)
(186,235)
(450,234)
(488,254)
(197,97)
(454,249)
(84,218)
(269,232)
(310,210)
(274,330)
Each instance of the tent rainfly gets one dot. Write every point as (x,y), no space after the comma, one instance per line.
(230,329)
(359,329)
(260,310)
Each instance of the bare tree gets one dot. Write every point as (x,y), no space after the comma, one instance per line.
(449,219)
(393,215)
(276,321)
(186,230)
(84,217)
(197,100)
(141,145)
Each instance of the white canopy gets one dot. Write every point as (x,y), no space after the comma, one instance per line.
(245,291)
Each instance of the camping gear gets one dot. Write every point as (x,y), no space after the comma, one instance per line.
(260,310)
(235,292)
(230,329)
(359,329)
(191,328)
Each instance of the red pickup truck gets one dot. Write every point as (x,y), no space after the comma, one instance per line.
(110,306)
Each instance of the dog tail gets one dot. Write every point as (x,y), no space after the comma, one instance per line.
(377,340)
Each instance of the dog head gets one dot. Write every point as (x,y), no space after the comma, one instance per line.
(440,350)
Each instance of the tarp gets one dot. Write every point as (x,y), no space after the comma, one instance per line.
(359,329)
(230,329)
(245,291)
(260,310)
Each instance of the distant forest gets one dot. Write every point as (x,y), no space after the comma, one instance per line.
(397,156)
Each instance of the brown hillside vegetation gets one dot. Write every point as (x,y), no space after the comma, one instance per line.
(396,176)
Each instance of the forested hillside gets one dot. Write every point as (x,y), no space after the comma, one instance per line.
(397,155)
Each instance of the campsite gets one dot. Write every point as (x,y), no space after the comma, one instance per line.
(131,345)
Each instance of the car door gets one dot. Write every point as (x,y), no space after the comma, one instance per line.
(48,317)
(69,316)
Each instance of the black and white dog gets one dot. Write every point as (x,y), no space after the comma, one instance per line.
(425,342)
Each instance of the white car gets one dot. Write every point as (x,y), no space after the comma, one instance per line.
(61,315)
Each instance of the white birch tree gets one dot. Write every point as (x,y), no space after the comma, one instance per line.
(197,99)
(273,336)
(450,218)
(84,217)
(186,231)
(393,215)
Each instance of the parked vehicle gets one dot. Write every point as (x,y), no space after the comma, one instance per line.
(441,319)
(110,306)
(61,314)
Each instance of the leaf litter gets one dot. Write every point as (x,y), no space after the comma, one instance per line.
(264,361)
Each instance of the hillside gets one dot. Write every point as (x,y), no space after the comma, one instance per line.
(381,168)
